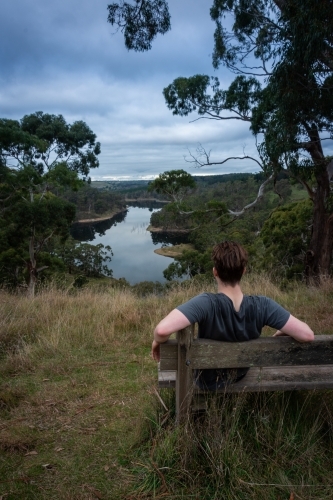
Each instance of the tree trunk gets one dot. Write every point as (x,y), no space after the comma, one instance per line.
(32,267)
(318,258)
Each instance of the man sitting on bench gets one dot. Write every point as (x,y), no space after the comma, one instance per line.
(229,315)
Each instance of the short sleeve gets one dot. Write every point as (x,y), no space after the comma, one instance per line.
(275,315)
(196,309)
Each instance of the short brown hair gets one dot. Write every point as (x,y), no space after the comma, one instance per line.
(230,260)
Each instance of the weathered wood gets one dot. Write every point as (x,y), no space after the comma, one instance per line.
(269,351)
(167,379)
(278,363)
(169,355)
(184,380)
(270,379)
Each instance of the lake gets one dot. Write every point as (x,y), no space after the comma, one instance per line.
(132,245)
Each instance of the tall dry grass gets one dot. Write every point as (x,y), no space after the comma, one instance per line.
(72,361)
(246,446)
(60,319)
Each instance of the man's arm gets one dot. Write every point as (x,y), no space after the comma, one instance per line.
(297,329)
(173,322)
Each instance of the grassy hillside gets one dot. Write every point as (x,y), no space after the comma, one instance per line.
(80,418)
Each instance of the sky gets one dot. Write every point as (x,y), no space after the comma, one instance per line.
(64,58)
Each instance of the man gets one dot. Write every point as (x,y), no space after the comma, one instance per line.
(229,315)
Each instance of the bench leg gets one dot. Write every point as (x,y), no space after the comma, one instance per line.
(184,380)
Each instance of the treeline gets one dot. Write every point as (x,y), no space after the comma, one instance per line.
(131,189)
(93,203)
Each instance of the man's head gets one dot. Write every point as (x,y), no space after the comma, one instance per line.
(230,260)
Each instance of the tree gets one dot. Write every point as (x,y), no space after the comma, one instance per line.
(183,212)
(89,260)
(37,154)
(174,183)
(283,89)
(189,264)
(286,235)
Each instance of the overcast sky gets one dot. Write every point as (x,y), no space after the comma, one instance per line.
(63,57)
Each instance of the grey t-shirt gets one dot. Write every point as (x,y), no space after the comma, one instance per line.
(218,320)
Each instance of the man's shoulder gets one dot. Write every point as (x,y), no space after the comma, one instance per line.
(258,299)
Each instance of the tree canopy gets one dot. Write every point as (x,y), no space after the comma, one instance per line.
(281,52)
(141,22)
(38,154)
(174,183)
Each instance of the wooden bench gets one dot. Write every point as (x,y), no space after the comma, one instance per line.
(277,363)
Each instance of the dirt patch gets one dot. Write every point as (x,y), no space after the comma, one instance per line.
(100,219)
(153,229)
(174,251)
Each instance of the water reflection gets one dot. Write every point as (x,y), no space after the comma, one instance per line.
(150,205)
(132,245)
(88,232)
(167,239)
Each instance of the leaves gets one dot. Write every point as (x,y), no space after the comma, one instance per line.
(38,154)
(175,184)
(141,22)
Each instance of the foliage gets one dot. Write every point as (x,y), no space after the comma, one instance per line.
(27,224)
(190,264)
(175,184)
(170,217)
(91,202)
(47,143)
(140,22)
(283,88)
(86,259)
(186,95)
(38,155)
(286,235)
(208,222)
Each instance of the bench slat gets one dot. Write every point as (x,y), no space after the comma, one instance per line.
(270,379)
(263,352)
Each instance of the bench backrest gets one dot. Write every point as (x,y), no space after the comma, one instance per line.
(265,351)
(186,354)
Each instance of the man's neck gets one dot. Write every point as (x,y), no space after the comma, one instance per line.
(233,292)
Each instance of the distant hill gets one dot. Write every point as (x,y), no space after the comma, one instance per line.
(140,184)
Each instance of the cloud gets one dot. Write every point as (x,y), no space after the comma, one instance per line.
(62,58)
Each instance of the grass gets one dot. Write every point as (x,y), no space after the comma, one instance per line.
(80,419)
(267,446)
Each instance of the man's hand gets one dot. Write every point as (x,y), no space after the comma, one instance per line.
(278,333)
(155,350)
(173,322)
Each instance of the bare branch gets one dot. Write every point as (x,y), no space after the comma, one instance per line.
(244,119)
(202,153)
(259,196)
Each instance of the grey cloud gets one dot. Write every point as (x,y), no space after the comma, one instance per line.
(74,35)
(62,57)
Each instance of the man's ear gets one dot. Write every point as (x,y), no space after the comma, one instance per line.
(214,272)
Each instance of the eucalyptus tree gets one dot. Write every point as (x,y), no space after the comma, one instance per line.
(281,52)
(175,184)
(37,153)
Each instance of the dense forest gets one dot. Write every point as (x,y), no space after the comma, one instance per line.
(275,230)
